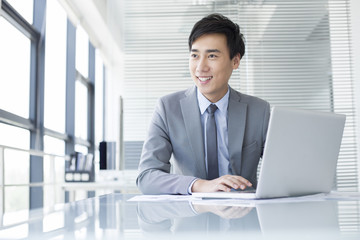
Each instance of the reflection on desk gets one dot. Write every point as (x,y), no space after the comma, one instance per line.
(113,217)
(101,187)
(108,181)
(183,217)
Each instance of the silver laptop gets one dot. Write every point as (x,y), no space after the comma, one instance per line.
(300,155)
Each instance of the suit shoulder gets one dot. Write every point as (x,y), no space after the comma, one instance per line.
(173,96)
(252,100)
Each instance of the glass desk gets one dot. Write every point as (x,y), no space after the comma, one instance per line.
(113,217)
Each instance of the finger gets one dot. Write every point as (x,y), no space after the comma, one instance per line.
(234,182)
(244,181)
(239,180)
(222,187)
(231,182)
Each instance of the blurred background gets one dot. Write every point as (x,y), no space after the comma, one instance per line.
(77,73)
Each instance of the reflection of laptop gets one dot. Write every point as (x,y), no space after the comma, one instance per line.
(303,218)
(300,155)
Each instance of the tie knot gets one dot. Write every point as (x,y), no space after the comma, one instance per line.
(212,108)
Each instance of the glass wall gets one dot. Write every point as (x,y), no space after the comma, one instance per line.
(55,67)
(35,72)
(53,171)
(14,70)
(13,175)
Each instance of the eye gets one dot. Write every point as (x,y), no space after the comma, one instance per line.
(193,55)
(212,56)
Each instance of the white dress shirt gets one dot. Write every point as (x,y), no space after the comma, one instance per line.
(221,119)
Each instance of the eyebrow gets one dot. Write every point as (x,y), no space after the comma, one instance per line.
(208,50)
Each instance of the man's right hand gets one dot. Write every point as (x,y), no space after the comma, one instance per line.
(224,183)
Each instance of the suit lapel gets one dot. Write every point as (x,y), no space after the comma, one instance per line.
(236,130)
(191,114)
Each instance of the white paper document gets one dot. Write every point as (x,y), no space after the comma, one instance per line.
(162,198)
(235,202)
(347,196)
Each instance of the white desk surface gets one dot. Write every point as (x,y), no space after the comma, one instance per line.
(70,186)
(113,217)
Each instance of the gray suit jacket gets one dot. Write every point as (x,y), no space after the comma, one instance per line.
(176,131)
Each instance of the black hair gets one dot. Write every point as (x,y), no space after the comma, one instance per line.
(217,23)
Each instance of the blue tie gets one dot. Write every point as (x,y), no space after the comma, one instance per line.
(211,143)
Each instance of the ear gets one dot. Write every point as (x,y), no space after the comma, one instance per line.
(236,61)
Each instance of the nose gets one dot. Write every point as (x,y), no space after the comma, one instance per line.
(202,65)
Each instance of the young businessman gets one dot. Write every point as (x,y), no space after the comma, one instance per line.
(213,149)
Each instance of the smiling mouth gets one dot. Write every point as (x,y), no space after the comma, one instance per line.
(204,79)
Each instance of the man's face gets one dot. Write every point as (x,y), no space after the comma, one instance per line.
(210,65)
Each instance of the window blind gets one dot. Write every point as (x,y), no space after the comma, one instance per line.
(298,54)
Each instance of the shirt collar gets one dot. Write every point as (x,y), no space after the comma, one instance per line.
(204,103)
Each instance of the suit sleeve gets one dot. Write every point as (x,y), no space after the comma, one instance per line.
(154,167)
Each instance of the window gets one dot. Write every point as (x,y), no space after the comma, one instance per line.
(34,70)
(14,70)
(19,138)
(54,168)
(24,8)
(99,103)
(99,100)
(15,48)
(82,52)
(81,107)
(55,67)
(84,91)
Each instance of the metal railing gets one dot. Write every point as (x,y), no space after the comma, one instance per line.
(123,181)
(3,185)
